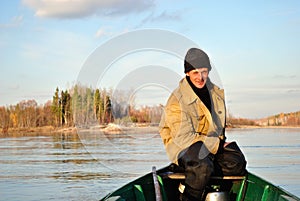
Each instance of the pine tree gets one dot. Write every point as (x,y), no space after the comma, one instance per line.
(97,104)
(68,109)
(108,110)
(56,107)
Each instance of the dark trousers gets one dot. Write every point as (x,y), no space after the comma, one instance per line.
(198,170)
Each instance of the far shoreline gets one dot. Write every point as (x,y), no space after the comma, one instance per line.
(254,127)
(110,129)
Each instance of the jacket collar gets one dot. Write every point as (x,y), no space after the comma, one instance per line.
(188,95)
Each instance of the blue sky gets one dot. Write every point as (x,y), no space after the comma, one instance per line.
(253,45)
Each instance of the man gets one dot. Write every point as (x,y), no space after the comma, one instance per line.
(193,124)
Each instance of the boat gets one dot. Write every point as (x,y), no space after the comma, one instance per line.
(163,185)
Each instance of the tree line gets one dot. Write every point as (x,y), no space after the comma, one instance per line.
(82,106)
(79,106)
(282,119)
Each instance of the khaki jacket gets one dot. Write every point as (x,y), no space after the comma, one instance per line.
(186,120)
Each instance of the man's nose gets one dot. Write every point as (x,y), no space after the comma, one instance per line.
(199,74)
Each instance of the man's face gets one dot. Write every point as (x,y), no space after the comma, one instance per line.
(198,77)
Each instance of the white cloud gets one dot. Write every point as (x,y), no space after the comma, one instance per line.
(14,22)
(101,32)
(84,8)
(164,16)
(108,31)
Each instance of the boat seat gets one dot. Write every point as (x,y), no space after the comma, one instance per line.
(181,176)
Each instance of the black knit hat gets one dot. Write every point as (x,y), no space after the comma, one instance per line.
(196,58)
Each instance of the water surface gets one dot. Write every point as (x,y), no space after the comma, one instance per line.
(89,165)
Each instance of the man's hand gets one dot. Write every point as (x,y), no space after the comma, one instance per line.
(226,143)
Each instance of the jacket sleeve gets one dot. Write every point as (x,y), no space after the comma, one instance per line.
(179,124)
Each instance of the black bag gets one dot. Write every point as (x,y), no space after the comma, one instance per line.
(231,161)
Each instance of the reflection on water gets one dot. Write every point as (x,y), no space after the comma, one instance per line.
(79,175)
(89,165)
(66,141)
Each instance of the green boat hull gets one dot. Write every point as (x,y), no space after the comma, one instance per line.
(244,188)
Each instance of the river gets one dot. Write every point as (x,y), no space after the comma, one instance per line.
(89,165)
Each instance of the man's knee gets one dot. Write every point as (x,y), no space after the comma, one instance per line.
(198,175)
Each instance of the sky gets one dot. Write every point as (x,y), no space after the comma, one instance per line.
(253,46)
